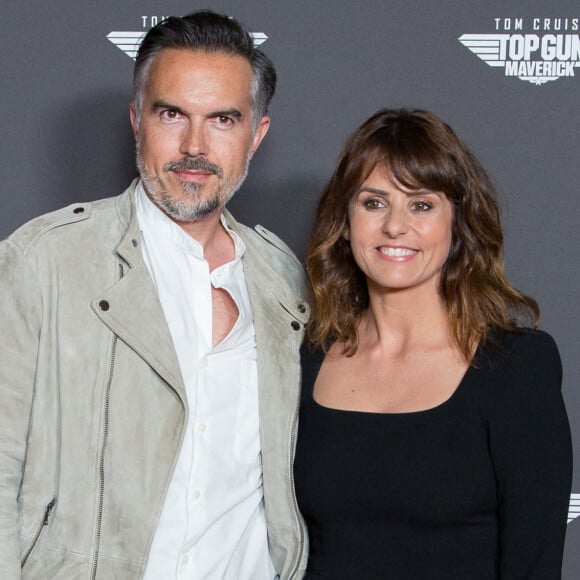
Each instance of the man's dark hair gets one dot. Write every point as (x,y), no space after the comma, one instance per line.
(210,32)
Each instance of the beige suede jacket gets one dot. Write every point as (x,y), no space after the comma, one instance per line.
(92,402)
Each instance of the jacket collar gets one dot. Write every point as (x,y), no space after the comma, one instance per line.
(136,315)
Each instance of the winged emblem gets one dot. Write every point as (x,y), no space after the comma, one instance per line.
(490,48)
(574,510)
(129,41)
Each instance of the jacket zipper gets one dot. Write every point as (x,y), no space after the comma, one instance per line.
(45,521)
(101,488)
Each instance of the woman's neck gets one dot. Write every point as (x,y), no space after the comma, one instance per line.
(405,320)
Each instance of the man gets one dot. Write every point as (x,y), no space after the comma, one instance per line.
(150,376)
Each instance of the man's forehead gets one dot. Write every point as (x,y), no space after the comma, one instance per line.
(186,77)
(194,58)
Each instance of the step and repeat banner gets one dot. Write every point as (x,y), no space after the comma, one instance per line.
(504,75)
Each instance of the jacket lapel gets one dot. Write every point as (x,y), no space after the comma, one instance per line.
(131,307)
(131,310)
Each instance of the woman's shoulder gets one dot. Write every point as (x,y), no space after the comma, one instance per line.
(518,367)
(520,346)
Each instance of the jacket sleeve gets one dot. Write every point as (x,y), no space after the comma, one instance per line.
(20,315)
(531,450)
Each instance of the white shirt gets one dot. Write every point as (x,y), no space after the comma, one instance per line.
(213,521)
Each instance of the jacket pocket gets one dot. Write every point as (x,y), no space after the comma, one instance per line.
(45,520)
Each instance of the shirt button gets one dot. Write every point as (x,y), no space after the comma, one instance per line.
(202,427)
(196,494)
(184,560)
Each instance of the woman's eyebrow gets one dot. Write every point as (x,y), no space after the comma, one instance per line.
(410,193)
(374,191)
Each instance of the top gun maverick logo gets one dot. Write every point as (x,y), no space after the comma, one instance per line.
(129,41)
(536,50)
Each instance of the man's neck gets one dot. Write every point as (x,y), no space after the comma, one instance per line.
(218,246)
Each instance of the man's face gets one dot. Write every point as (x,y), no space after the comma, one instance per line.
(195,136)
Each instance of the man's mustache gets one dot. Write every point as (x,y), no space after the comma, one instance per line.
(194,164)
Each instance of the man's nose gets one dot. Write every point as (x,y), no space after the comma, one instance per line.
(194,141)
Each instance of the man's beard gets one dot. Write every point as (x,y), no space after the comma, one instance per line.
(189,207)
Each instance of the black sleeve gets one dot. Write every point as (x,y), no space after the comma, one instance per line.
(529,438)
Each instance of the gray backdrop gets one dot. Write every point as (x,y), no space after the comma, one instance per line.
(65,132)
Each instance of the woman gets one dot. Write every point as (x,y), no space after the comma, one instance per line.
(433,440)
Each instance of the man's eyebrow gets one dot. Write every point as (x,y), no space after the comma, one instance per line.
(165,105)
(235,113)
(226,113)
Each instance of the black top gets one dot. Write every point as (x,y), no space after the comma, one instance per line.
(476,488)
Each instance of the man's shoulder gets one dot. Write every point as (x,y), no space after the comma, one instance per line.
(71,221)
(272,254)
(268,241)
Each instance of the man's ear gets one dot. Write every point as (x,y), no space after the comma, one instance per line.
(259,134)
(133,117)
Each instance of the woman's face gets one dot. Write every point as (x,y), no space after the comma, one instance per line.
(400,238)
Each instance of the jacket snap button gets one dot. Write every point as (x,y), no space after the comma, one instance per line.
(301,308)
(295,325)
(104,305)
(135,243)
(78,210)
